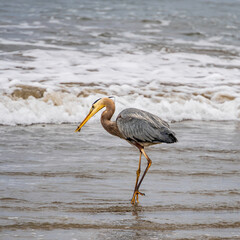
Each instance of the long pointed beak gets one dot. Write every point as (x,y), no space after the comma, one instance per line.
(92,112)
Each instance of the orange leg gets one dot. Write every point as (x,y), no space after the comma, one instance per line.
(138,171)
(136,191)
(148,166)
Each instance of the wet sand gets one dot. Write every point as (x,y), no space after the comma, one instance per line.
(57,184)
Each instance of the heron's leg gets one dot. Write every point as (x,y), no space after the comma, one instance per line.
(135,193)
(148,166)
(136,190)
(138,171)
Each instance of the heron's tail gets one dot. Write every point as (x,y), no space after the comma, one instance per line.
(172,138)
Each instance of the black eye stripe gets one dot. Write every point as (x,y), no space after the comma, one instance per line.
(96,101)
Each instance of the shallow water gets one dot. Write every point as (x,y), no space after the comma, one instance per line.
(57,184)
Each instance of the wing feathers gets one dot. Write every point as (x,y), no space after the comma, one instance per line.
(144,127)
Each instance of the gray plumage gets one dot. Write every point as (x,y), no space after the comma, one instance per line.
(138,127)
(144,128)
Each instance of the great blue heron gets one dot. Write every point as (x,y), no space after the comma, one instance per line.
(138,127)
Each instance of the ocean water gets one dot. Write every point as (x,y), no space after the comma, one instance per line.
(177,59)
(59,185)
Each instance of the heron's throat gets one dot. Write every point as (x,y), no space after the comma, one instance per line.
(108,125)
(107,114)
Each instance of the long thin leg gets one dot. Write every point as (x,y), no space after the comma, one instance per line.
(135,194)
(138,171)
(148,166)
(136,191)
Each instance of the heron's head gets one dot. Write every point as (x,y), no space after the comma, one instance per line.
(96,106)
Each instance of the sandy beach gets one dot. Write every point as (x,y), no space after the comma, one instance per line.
(57,184)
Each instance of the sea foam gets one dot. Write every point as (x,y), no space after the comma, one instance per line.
(52,86)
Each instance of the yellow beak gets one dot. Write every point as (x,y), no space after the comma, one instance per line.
(92,112)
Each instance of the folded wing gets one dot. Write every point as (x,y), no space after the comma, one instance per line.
(144,127)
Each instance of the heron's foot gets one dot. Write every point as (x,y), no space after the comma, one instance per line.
(135,197)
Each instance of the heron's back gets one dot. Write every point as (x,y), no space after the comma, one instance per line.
(143,127)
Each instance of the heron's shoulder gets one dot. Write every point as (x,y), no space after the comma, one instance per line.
(132,113)
(138,114)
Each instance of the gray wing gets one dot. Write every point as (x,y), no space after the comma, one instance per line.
(144,127)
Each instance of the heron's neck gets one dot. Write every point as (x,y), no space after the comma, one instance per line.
(110,126)
(108,113)
(107,124)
